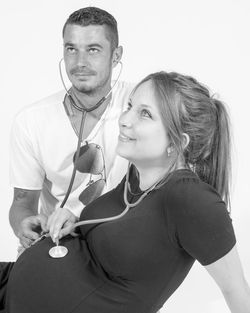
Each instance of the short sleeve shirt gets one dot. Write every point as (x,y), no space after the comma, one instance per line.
(133,264)
(43,144)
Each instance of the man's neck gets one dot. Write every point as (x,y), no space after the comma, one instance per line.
(88,101)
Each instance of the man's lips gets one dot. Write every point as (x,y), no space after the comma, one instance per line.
(82,72)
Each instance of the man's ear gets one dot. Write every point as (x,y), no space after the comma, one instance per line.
(185,141)
(117,55)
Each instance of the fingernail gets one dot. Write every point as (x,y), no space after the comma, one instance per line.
(55,238)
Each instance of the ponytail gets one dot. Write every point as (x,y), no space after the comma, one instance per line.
(213,164)
(220,167)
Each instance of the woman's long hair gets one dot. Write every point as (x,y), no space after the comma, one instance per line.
(187,107)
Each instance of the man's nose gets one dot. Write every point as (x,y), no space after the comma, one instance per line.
(82,58)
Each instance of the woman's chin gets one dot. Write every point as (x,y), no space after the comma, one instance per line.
(123,153)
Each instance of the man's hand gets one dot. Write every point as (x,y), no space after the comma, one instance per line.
(60,222)
(30,229)
(23,215)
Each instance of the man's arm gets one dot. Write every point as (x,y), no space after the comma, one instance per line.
(23,215)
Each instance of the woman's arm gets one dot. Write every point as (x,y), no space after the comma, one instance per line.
(228,274)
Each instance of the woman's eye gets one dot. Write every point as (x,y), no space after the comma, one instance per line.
(129,106)
(146,113)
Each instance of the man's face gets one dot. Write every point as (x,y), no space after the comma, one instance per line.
(88,57)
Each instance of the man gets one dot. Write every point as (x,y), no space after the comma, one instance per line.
(44,135)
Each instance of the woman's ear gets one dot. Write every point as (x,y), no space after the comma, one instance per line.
(186,140)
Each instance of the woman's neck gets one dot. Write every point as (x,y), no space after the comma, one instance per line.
(149,175)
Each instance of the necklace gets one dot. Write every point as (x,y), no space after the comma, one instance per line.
(134,193)
(143,193)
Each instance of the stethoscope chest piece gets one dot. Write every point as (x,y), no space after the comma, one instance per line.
(58,252)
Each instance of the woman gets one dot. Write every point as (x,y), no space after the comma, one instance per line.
(176,138)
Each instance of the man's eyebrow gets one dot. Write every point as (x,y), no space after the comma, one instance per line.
(95,45)
(68,43)
(91,45)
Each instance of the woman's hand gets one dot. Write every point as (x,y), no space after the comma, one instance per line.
(60,223)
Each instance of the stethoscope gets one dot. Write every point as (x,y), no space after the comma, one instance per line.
(84,110)
(60,251)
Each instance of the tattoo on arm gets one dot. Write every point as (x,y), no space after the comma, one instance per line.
(20,194)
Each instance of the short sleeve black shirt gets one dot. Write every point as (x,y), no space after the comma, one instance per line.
(132,264)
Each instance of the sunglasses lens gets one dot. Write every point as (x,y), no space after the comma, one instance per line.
(92,192)
(90,159)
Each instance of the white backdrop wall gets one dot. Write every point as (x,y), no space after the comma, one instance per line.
(207,39)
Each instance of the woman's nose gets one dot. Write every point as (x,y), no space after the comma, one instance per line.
(125,119)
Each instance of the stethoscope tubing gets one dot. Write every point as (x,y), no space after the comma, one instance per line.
(84,110)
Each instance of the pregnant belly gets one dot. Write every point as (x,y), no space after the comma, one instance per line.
(39,283)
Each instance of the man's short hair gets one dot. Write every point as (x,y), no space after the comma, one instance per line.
(95,16)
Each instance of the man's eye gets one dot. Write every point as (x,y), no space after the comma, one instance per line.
(93,50)
(70,50)
(145,113)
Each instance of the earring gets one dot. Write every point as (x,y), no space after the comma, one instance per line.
(169,151)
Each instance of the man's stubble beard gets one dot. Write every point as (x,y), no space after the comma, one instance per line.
(95,90)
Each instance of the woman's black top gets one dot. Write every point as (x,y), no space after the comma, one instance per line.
(131,265)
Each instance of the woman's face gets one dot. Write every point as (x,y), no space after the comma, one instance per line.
(143,139)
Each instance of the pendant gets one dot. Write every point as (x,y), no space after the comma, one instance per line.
(58,252)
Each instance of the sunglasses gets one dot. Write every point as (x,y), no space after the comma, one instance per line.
(91,160)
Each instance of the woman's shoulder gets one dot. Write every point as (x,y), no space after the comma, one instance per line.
(187,180)
(182,180)
(182,177)
(188,192)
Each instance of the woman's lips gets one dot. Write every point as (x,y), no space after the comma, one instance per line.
(125,138)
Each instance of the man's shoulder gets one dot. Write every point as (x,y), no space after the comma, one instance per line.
(121,94)
(123,87)
(50,103)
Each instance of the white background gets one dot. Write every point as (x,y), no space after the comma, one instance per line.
(207,39)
